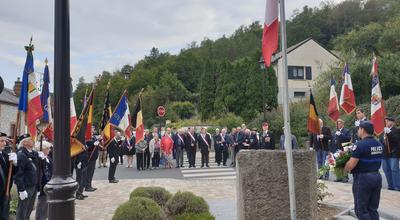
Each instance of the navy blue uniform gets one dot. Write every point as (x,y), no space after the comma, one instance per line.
(367,179)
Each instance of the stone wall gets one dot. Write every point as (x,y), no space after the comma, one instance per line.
(262,184)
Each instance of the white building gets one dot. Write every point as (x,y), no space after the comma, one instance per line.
(306,61)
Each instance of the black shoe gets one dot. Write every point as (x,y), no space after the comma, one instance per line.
(79,197)
(177,167)
(202,166)
(84,196)
(113,181)
(219,164)
(224,164)
(208,166)
(182,166)
(90,189)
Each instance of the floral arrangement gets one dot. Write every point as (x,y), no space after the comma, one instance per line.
(339,159)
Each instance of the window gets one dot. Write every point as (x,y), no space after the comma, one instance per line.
(299,94)
(299,72)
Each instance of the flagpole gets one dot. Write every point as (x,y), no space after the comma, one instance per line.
(286,114)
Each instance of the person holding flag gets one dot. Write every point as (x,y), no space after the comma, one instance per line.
(106,131)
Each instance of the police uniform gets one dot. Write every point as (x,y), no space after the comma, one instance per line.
(367,182)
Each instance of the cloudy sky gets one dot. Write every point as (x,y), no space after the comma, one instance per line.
(108,34)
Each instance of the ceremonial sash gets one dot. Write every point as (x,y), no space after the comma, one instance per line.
(170,138)
(181,139)
(192,137)
(205,140)
(222,137)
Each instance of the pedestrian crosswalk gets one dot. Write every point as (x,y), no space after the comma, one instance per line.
(213,172)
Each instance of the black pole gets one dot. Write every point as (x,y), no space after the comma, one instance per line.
(264,85)
(62,187)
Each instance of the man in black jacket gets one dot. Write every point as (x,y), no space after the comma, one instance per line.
(391,154)
(5,159)
(342,135)
(267,139)
(191,147)
(320,143)
(204,141)
(93,151)
(113,154)
(360,117)
(179,146)
(81,163)
(27,177)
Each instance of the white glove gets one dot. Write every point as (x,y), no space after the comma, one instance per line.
(79,165)
(23,195)
(13,157)
(337,133)
(41,155)
(321,136)
(96,143)
(357,123)
(387,130)
(112,159)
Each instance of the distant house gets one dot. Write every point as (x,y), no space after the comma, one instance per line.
(306,61)
(8,109)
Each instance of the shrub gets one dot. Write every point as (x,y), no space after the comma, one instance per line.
(194,216)
(230,121)
(139,208)
(186,202)
(158,194)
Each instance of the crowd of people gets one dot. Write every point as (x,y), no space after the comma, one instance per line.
(166,148)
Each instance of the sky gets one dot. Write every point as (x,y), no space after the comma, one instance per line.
(105,35)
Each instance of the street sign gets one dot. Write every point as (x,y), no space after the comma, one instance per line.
(161,111)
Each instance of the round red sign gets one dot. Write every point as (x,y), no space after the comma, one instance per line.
(161,111)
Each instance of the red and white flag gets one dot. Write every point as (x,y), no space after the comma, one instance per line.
(347,98)
(73,119)
(270,33)
(377,107)
(333,104)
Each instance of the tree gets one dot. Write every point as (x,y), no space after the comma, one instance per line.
(207,90)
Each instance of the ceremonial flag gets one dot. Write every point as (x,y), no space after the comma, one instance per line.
(90,101)
(270,33)
(313,125)
(121,117)
(377,107)
(79,132)
(107,133)
(347,99)
(29,100)
(138,120)
(333,105)
(47,118)
(73,119)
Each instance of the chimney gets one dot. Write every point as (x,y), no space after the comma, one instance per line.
(17,87)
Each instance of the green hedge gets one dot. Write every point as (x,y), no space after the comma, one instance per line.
(194,216)
(158,194)
(186,202)
(139,208)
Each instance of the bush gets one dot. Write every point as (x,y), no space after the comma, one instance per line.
(139,208)
(158,194)
(195,216)
(184,110)
(186,202)
(230,121)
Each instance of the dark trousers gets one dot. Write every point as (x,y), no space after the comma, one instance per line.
(218,155)
(42,208)
(111,170)
(192,156)
(25,206)
(4,207)
(139,160)
(147,158)
(179,156)
(89,173)
(224,152)
(121,157)
(155,161)
(204,158)
(81,179)
(366,193)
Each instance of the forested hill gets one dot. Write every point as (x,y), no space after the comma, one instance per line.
(214,77)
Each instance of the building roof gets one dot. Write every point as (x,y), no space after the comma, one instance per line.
(278,55)
(8,96)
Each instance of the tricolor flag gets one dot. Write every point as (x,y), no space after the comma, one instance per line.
(333,105)
(79,132)
(29,100)
(90,102)
(313,125)
(73,119)
(270,33)
(347,99)
(47,118)
(121,117)
(138,120)
(106,128)
(377,107)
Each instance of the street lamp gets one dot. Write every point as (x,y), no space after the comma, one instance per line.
(262,67)
(62,187)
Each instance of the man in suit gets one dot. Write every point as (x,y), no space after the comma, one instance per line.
(204,141)
(218,147)
(222,140)
(391,154)
(179,146)
(81,164)
(5,159)
(239,139)
(191,147)
(320,143)
(342,135)
(267,139)
(147,156)
(113,153)
(254,142)
(360,117)
(93,152)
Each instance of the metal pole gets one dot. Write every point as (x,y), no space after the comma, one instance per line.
(62,187)
(286,114)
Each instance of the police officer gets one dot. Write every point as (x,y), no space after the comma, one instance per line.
(391,154)
(364,164)
(360,115)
